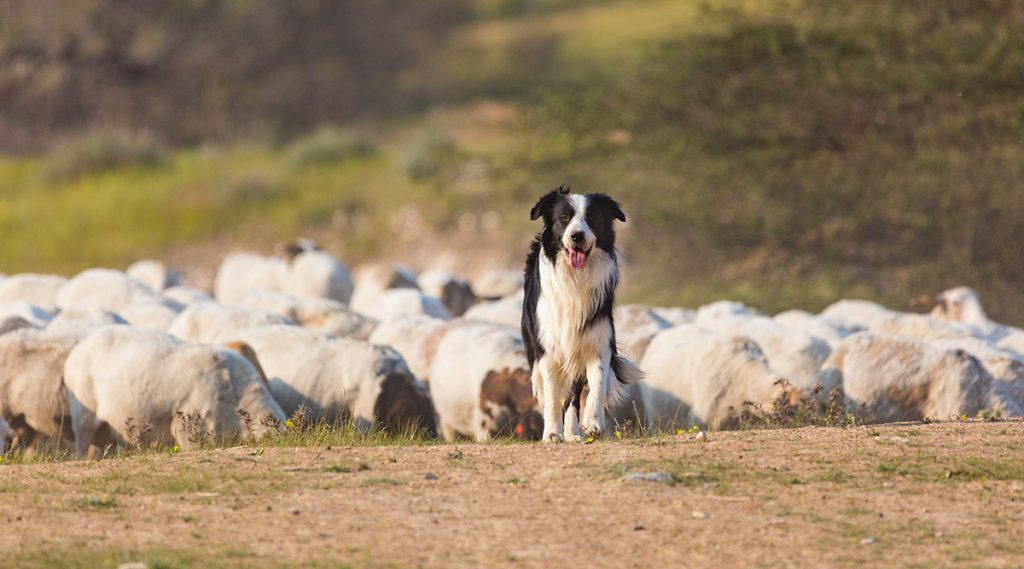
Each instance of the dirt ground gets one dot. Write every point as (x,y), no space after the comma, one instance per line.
(901,495)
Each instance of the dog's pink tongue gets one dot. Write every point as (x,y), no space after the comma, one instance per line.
(577,258)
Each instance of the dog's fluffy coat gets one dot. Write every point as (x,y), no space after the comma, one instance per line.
(570,280)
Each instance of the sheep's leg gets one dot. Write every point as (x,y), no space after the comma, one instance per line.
(598,376)
(553,399)
(447,431)
(84,424)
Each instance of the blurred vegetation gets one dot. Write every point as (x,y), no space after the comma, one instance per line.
(785,153)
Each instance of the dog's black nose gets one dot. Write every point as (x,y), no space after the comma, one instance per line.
(577,237)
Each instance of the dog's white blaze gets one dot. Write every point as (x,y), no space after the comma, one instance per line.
(579,223)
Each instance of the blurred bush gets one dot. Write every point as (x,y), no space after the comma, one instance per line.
(328,145)
(96,151)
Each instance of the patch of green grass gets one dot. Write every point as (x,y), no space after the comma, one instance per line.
(381,482)
(934,469)
(346,468)
(97,502)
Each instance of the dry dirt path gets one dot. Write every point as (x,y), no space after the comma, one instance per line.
(904,495)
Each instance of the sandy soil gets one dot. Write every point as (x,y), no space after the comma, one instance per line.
(904,495)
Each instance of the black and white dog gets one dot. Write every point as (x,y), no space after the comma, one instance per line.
(571,275)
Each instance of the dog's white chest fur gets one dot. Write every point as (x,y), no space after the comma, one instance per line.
(567,301)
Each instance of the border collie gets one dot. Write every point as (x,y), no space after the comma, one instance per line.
(570,279)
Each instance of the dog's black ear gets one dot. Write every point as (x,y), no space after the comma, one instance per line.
(608,204)
(547,201)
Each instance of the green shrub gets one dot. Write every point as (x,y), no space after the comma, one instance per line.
(328,145)
(102,150)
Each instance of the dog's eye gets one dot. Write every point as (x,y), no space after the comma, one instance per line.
(565,217)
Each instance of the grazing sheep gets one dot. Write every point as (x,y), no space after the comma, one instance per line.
(722,309)
(635,327)
(922,327)
(898,379)
(415,337)
(326,315)
(32,395)
(674,315)
(212,322)
(481,385)
(151,314)
(373,280)
(186,295)
(35,315)
(860,313)
(453,291)
(960,304)
(32,288)
(242,273)
(498,283)
(107,289)
(6,435)
(82,320)
(793,354)
(336,379)
(397,302)
(154,274)
(507,311)
(696,376)
(830,329)
(146,387)
(1006,369)
(316,274)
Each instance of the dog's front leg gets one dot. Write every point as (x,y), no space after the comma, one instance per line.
(554,396)
(598,374)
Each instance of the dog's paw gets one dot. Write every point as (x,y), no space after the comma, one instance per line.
(593,425)
(574,438)
(553,438)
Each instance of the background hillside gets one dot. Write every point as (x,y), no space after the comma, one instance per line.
(782,152)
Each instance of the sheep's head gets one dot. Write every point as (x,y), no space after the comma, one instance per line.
(960,304)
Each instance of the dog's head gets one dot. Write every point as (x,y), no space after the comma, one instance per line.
(576,223)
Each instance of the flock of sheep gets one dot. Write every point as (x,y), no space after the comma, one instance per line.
(109,358)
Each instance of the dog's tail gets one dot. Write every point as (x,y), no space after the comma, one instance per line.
(626,373)
(626,370)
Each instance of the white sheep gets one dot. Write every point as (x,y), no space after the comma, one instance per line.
(415,337)
(32,394)
(82,320)
(480,382)
(453,291)
(900,379)
(148,387)
(212,322)
(37,316)
(722,309)
(335,379)
(960,304)
(861,313)
(316,274)
(830,329)
(697,376)
(323,314)
(186,295)
(792,353)
(506,311)
(674,315)
(374,279)
(154,274)
(397,302)
(1006,369)
(107,289)
(498,283)
(241,273)
(32,288)
(152,314)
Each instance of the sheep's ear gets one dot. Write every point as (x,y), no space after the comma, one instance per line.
(608,204)
(547,202)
